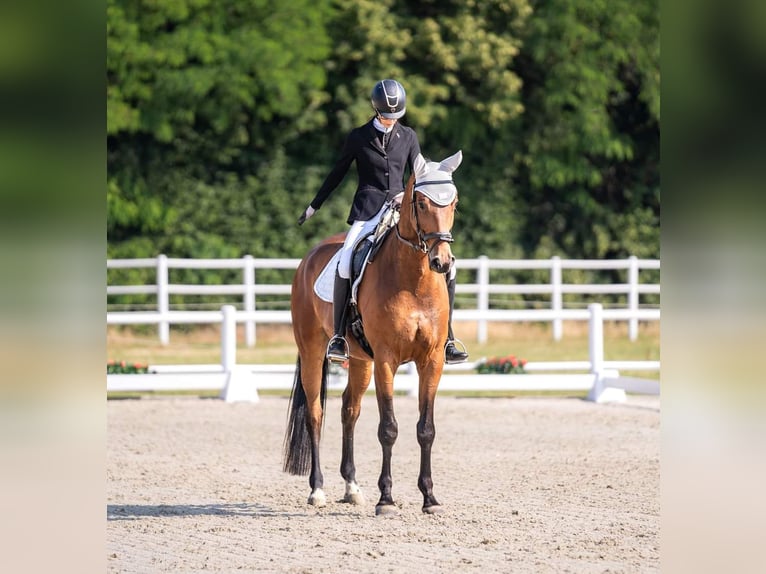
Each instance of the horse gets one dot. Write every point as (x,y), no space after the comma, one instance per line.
(404,305)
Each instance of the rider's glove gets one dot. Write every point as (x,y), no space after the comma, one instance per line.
(306,214)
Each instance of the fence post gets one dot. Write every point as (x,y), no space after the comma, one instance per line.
(556,297)
(482,298)
(633,296)
(596,337)
(249,298)
(163,303)
(239,385)
(600,392)
(228,338)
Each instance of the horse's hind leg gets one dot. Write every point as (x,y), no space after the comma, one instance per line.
(304,425)
(315,384)
(359,373)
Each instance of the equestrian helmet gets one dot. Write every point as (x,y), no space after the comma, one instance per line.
(389,99)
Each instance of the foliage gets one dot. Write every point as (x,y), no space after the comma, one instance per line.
(589,167)
(223,117)
(201,96)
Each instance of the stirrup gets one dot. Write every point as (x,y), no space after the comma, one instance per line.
(337,350)
(458,356)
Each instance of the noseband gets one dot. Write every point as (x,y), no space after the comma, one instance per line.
(424,238)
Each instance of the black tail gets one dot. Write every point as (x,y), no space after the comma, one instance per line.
(297,444)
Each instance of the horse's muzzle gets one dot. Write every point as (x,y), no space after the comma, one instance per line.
(440,257)
(441,264)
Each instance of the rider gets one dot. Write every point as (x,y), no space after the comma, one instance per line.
(382,148)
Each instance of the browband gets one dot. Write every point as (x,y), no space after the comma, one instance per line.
(436,182)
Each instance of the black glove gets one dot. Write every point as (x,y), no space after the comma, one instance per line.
(306,214)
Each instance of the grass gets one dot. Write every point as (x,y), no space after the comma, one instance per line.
(530,341)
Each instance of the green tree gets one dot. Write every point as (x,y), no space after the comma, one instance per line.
(589,165)
(225,116)
(455,59)
(199,91)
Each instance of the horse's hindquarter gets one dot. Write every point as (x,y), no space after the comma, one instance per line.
(310,315)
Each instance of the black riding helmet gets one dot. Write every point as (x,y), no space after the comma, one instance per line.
(389,99)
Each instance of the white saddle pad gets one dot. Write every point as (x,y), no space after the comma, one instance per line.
(324,286)
(325,283)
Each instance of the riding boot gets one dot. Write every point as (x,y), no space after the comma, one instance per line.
(452,354)
(337,349)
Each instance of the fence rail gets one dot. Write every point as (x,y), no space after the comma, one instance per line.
(241,382)
(249,290)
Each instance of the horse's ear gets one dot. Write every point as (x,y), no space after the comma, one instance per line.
(451,163)
(421,167)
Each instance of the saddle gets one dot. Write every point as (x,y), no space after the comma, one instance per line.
(367,246)
(364,253)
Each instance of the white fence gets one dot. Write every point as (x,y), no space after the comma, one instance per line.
(241,382)
(483,289)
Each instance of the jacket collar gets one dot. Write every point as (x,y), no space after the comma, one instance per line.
(375,135)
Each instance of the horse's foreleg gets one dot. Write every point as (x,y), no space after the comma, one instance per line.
(359,373)
(426,432)
(388,430)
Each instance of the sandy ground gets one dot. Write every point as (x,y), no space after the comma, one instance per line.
(528,485)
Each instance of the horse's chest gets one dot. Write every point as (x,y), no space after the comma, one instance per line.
(418,321)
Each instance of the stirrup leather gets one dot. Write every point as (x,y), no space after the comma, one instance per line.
(337,349)
(459,356)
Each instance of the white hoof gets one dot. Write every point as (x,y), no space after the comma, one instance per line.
(318,498)
(386,510)
(353,494)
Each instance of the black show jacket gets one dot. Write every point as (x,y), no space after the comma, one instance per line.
(380,171)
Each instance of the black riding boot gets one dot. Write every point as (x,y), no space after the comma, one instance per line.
(452,354)
(337,349)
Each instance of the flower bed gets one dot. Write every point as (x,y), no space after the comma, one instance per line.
(122,368)
(501,365)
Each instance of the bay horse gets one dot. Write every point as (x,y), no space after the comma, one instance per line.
(404,305)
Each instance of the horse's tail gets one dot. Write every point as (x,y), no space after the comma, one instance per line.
(297,444)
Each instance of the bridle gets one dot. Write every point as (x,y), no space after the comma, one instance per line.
(424,238)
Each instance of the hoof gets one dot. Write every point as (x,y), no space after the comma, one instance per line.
(386,510)
(355,498)
(353,494)
(434,509)
(317,499)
